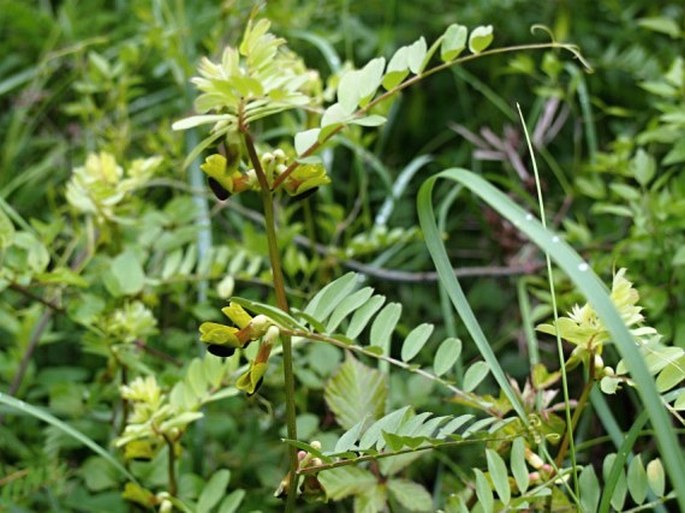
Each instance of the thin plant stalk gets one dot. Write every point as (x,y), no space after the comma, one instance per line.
(560,349)
(282,301)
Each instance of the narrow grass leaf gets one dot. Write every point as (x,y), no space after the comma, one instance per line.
(40,414)
(583,278)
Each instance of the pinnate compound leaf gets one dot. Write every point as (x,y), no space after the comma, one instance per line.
(410,495)
(483,492)
(389,424)
(356,392)
(213,491)
(518,465)
(656,477)
(453,42)
(589,489)
(416,340)
(474,375)
(447,355)
(499,475)
(480,38)
(637,480)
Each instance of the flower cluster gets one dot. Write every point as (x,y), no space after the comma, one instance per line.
(101,185)
(223,340)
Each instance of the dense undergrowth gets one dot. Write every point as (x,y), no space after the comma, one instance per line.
(230,277)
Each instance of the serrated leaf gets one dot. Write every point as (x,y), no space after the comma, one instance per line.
(304,140)
(474,375)
(589,489)
(519,469)
(371,500)
(345,481)
(637,480)
(656,477)
(410,495)
(483,492)
(453,42)
(480,38)
(415,341)
(213,491)
(499,475)
(447,355)
(416,54)
(356,392)
(362,316)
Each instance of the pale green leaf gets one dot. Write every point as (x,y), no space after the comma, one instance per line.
(447,355)
(499,475)
(232,501)
(329,297)
(356,392)
(643,167)
(589,489)
(127,273)
(637,480)
(618,496)
(342,482)
(656,477)
(349,91)
(519,468)
(398,68)
(455,424)
(197,377)
(371,500)
(6,231)
(390,424)
(671,376)
(370,121)
(410,495)
(415,341)
(347,306)
(334,115)
(679,403)
(480,38)
(363,315)
(662,24)
(304,140)
(383,327)
(370,78)
(213,491)
(483,492)
(453,42)
(474,375)
(416,54)
(347,441)
(193,121)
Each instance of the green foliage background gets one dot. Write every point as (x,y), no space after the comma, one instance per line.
(86,76)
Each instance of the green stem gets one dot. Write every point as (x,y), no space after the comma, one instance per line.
(282,302)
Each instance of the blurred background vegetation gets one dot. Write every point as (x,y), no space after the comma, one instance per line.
(82,76)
